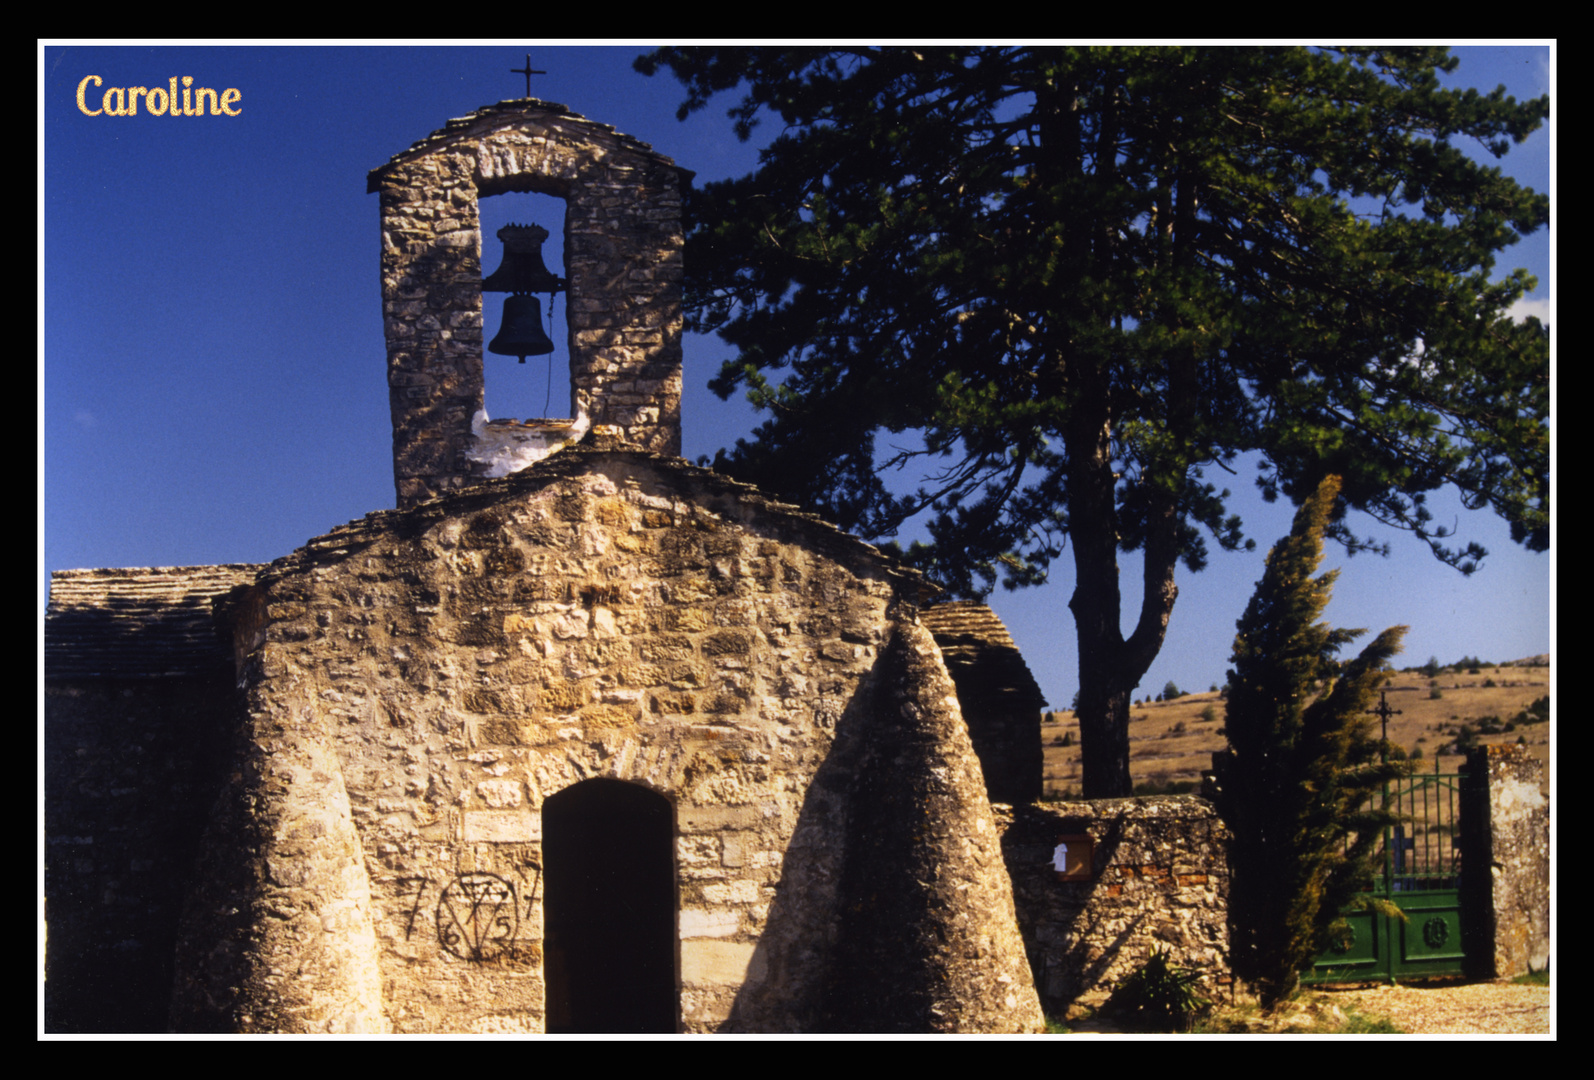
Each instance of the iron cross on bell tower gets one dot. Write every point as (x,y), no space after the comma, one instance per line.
(528,71)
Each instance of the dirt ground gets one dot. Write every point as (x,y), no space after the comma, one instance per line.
(1480,1008)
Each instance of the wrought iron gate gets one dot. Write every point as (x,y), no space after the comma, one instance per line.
(1422,868)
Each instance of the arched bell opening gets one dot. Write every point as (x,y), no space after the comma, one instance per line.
(536,386)
(609,910)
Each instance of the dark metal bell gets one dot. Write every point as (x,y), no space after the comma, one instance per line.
(521,333)
(523,270)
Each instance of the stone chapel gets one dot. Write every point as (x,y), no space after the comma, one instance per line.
(578,738)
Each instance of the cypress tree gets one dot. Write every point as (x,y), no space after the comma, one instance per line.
(1302,765)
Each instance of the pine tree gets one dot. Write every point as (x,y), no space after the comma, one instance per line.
(1302,763)
(1063,283)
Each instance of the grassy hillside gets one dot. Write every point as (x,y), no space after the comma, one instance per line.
(1172,742)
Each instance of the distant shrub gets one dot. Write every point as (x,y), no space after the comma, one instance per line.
(1431,668)
(1171,691)
(1068,738)
(1435,694)
(1489,683)
(1536,713)
(1416,753)
(1209,715)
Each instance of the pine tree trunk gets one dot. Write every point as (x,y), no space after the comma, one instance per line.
(1111,666)
(1104,746)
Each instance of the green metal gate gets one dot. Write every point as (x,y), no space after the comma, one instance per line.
(1422,877)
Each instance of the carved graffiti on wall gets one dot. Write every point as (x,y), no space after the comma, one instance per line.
(477,917)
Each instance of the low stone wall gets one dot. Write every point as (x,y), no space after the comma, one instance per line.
(1159,880)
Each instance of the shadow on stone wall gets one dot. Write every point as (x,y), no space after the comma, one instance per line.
(1159,880)
(894,909)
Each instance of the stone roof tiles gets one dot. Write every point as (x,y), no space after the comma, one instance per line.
(687,479)
(143,622)
(982,656)
(492,117)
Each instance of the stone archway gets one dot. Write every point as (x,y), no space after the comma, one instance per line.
(609,910)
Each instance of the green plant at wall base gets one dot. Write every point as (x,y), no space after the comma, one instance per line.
(1158,997)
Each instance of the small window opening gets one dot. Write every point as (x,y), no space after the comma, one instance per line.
(539,388)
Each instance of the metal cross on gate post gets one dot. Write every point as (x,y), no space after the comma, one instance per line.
(1383,712)
(528,71)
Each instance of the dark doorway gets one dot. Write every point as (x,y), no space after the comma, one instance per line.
(609,909)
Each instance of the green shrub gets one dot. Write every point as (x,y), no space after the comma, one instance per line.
(1534,978)
(1209,715)
(1360,1023)
(1159,997)
(1171,691)
(1435,694)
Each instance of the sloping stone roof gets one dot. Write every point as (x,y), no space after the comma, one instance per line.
(492,117)
(594,453)
(982,657)
(146,622)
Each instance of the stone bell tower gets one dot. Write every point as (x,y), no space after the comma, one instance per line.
(623,265)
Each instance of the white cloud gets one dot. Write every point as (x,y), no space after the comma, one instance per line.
(1520,310)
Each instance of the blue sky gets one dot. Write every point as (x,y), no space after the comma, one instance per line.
(212,365)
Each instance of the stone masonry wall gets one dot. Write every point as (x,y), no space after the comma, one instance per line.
(623,265)
(131,768)
(1160,881)
(450,667)
(1518,861)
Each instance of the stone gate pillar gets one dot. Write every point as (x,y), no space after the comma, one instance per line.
(1505,873)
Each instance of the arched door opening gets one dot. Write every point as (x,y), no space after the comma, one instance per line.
(540,387)
(609,938)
